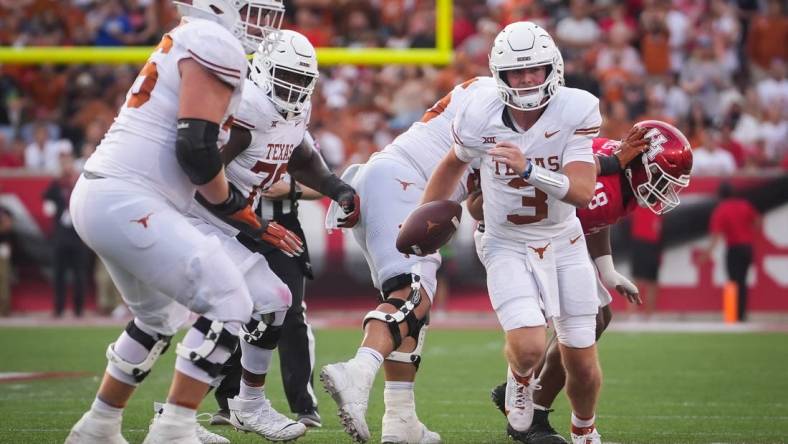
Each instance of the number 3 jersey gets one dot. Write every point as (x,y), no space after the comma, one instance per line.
(264,162)
(612,199)
(140,145)
(513,209)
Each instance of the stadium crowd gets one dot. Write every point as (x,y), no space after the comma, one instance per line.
(716,69)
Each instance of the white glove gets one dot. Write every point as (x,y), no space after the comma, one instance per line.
(612,278)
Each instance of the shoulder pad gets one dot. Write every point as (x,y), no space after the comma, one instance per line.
(214,47)
(482,106)
(576,105)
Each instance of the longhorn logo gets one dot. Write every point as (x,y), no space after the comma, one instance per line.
(404,184)
(431,225)
(143,220)
(540,251)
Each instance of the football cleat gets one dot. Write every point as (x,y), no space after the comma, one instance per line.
(310,419)
(399,429)
(221,417)
(92,429)
(258,416)
(349,384)
(589,436)
(540,432)
(172,430)
(498,396)
(204,435)
(519,402)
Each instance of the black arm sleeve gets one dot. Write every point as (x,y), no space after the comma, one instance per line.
(196,150)
(608,165)
(307,167)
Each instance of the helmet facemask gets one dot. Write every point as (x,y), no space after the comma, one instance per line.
(290,89)
(259,20)
(659,192)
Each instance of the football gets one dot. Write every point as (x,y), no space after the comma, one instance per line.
(429,227)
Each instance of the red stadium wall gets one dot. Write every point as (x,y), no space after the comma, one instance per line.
(342,277)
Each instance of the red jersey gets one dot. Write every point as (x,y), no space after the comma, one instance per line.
(735,219)
(607,206)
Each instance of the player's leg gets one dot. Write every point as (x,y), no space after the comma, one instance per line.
(165,256)
(576,330)
(297,343)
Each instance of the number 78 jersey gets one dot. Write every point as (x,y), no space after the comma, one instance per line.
(513,209)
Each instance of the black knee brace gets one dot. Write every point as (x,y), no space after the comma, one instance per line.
(261,333)
(215,336)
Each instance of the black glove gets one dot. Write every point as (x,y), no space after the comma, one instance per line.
(350,203)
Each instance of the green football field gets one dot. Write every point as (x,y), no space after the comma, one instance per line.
(658,387)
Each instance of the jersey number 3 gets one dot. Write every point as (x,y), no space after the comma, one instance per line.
(144,83)
(538,202)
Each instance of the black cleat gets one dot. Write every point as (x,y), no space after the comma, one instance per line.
(498,396)
(540,432)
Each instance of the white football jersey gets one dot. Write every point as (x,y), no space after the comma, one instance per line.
(140,145)
(426,142)
(264,162)
(513,209)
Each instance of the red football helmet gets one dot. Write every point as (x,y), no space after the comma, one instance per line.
(663,169)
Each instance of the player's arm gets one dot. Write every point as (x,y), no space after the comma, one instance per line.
(307,166)
(631,147)
(240,140)
(445,178)
(599,248)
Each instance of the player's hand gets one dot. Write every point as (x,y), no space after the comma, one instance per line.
(236,211)
(623,286)
(350,203)
(509,154)
(632,145)
(278,191)
(283,239)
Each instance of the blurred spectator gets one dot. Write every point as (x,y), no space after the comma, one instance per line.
(12,153)
(774,134)
(69,251)
(646,243)
(7,241)
(773,90)
(710,159)
(577,32)
(738,222)
(768,34)
(108,299)
(655,42)
(43,154)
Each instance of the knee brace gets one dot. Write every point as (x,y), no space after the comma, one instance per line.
(215,336)
(405,309)
(155,344)
(264,333)
(413,357)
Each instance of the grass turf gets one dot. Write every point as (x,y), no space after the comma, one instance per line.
(658,388)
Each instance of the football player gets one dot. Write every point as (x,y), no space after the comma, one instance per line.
(533,138)
(268,138)
(390,186)
(626,179)
(129,206)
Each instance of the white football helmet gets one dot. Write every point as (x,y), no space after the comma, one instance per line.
(526,45)
(286,70)
(250,21)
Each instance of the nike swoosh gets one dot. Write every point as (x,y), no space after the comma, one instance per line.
(549,135)
(572,241)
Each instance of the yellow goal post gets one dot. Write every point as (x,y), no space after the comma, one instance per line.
(440,55)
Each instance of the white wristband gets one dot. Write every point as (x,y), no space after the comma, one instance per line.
(554,184)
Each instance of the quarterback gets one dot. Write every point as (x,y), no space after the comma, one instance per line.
(533,137)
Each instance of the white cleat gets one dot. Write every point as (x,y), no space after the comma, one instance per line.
(208,437)
(171,430)
(592,437)
(399,429)
(92,429)
(349,384)
(259,417)
(204,435)
(520,402)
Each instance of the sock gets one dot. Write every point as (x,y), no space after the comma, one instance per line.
(101,408)
(369,357)
(249,392)
(398,397)
(582,426)
(522,379)
(179,413)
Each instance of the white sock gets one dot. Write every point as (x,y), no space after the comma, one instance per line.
(398,397)
(249,392)
(101,408)
(399,385)
(582,423)
(179,412)
(370,358)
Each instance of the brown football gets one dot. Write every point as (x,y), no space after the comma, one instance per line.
(429,227)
